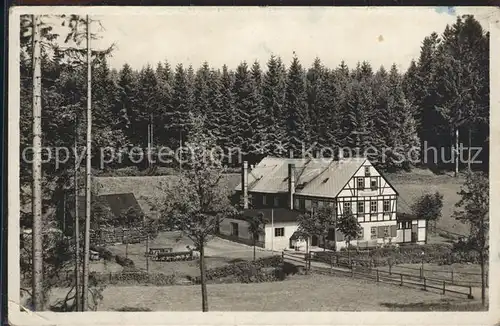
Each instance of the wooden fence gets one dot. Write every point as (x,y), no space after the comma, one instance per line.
(375,274)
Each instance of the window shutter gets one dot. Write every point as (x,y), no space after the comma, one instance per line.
(380,232)
(393,230)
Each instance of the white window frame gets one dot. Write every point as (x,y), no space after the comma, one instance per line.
(362,179)
(388,201)
(371,206)
(347,206)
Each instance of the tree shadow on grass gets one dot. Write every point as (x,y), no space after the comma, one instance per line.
(444,305)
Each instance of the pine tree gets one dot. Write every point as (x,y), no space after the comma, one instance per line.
(127,98)
(229,129)
(315,80)
(165,80)
(243,101)
(273,91)
(258,146)
(297,118)
(215,118)
(177,119)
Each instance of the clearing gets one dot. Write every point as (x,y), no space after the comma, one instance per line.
(218,252)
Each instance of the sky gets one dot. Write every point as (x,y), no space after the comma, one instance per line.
(225,35)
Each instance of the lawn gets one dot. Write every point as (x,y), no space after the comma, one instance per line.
(218,252)
(299,293)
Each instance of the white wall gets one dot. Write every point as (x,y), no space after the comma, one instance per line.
(225,228)
(279,243)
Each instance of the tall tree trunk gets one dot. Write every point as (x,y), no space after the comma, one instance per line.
(469,154)
(204,298)
(77,228)
(37,236)
(348,254)
(483,279)
(456,151)
(254,243)
(324,243)
(86,263)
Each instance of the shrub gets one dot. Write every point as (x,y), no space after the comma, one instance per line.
(262,270)
(136,277)
(125,262)
(404,254)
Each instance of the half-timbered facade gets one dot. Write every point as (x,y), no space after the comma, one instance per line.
(348,184)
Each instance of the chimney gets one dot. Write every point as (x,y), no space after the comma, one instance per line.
(341,154)
(291,183)
(244,184)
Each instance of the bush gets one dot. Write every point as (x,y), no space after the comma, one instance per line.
(125,262)
(262,270)
(132,277)
(404,254)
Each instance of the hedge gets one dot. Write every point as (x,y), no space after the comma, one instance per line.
(442,254)
(136,277)
(266,269)
(125,262)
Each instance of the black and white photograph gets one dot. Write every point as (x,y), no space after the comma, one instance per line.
(251,159)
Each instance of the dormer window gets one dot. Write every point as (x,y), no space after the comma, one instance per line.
(367,171)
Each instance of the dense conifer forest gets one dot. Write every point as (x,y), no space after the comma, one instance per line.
(276,107)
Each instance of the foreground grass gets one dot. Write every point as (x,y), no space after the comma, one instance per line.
(300,293)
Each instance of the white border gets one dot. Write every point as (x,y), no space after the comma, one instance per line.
(16,317)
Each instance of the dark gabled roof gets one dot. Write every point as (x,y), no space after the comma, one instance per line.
(276,215)
(117,203)
(406,217)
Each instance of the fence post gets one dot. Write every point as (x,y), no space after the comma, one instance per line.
(337,260)
(377,276)
(425,284)
(401,279)
(470,293)
(421,273)
(331,264)
(451,276)
(110,277)
(352,270)
(390,269)
(444,287)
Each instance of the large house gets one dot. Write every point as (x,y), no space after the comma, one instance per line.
(282,189)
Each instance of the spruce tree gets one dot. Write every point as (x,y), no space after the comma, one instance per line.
(297,117)
(178,118)
(229,129)
(273,91)
(258,145)
(243,101)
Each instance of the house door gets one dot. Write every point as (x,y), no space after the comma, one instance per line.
(314,240)
(414,233)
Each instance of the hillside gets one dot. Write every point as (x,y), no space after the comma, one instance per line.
(418,182)
(409,185)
